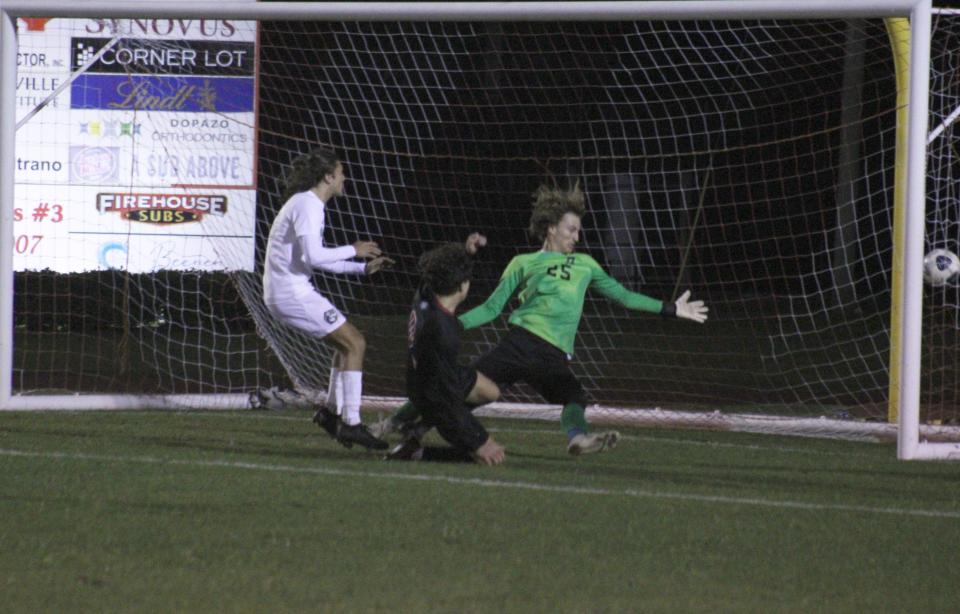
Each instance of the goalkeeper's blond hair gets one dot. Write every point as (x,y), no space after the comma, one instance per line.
(550,204)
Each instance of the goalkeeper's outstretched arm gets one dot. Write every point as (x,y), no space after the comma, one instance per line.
(682,308)
(493,306)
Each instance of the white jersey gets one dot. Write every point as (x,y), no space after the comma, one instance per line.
(286,272)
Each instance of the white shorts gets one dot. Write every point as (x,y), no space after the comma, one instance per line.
(312,313)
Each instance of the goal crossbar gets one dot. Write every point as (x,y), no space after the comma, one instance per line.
(468,11)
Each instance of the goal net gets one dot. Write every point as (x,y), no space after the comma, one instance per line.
(940,386)
(752,161)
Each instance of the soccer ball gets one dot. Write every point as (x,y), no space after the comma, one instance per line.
(940,266)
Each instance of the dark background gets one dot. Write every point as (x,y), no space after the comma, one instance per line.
(716,156)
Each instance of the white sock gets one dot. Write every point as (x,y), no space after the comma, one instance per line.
(351,393)
(335,391)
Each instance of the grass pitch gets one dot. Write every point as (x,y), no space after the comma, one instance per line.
(260,512)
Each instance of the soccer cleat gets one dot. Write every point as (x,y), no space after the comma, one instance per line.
(384,427)
(593,443)
(349,434)
(409,449)
(328,421)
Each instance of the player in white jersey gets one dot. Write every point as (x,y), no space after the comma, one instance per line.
(295,248)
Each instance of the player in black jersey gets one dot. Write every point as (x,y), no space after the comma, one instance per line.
(438,385)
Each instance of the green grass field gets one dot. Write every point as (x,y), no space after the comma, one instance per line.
(259,512)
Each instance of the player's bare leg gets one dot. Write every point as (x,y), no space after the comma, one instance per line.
(484,391)
(352,346)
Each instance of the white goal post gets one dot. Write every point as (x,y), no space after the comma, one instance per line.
(909,243)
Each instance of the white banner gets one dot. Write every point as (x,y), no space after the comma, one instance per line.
(135,145)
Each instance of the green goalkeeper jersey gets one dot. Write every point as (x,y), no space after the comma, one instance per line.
(552,290)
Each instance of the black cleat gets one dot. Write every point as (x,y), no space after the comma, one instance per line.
(328,421)
(409,449)
(359,434)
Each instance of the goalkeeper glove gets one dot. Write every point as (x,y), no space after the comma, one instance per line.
(687,310)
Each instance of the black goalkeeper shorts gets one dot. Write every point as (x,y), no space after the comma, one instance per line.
(523,356)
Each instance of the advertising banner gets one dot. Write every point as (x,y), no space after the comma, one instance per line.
(136,145)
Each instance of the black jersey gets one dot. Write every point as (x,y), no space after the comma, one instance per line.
(436,383)
(434,377)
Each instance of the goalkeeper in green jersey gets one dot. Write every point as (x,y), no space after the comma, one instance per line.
(551,285)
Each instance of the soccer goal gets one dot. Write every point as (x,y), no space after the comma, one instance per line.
(790,163)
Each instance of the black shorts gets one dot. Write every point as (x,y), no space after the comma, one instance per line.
(445,408)
(523,356)
(468,379)
(459,427)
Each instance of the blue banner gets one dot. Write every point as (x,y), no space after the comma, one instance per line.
(194,94)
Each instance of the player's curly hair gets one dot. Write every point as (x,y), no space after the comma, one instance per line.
(444,268)
(309,169)
(550,204)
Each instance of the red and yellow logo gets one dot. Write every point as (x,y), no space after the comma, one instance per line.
(162,208)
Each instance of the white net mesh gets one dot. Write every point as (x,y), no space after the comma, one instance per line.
(709,155)
(940,389)
(749,161)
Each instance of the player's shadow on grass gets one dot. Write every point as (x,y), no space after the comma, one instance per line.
(308,442)
(314,446)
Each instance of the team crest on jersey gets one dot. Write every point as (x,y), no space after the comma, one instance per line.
(331,316)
